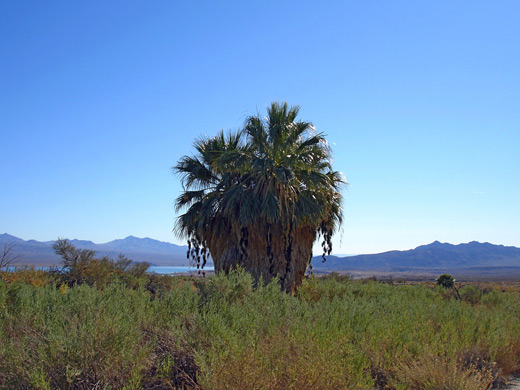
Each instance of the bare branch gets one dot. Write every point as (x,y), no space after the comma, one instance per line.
(7,255)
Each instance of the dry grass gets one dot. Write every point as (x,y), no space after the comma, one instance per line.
(284,362)
(441,373)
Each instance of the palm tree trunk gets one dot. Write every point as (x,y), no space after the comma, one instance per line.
(288,264)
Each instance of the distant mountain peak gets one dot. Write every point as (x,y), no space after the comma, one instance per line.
(136,239)
(6,237)
(435,244)
(82,242)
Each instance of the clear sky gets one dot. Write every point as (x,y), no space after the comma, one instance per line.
(420,101)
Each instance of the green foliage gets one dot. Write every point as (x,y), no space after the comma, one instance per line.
(224,333)
(81,266)
(446,281)
(472,294)
(275,170)
(226,289)
(30,275)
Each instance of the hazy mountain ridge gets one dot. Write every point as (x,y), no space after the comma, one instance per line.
(432,256)
(474,256)
(155,252)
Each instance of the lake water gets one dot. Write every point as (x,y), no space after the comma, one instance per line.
(158,270)
(175,270)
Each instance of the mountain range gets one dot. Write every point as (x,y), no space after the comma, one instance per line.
(434,255)
(38,253)
(473,257)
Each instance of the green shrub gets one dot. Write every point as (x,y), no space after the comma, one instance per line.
(471,294)
(446,281)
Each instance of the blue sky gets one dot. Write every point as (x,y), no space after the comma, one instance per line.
(420,101)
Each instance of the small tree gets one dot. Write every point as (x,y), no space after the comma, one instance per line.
(7,256)
(446,281)
(82,265)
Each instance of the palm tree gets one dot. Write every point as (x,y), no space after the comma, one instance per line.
(260,197)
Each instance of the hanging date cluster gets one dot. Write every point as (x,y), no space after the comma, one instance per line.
(197,253)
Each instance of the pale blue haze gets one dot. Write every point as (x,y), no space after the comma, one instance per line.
(420,101)
(163,270)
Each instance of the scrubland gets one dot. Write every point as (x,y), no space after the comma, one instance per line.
(124,330)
